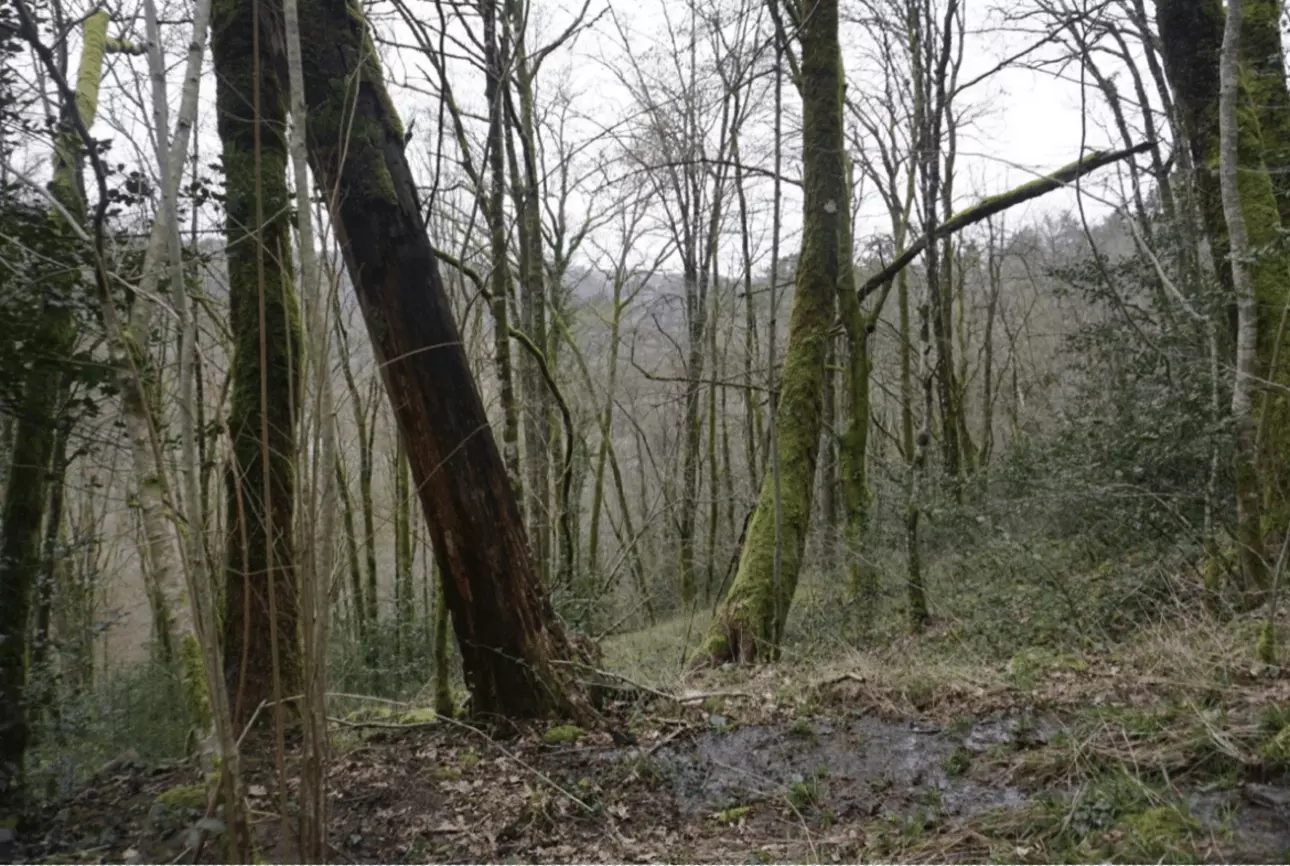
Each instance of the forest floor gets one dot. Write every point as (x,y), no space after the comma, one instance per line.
(1163,749)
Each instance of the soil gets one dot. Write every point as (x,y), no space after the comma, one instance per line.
(658,784)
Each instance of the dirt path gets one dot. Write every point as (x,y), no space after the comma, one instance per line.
(699,788)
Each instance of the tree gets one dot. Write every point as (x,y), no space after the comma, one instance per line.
(1235,146)
(42,392)
(750,620)
(1194,38)
(503,619)
(261,645)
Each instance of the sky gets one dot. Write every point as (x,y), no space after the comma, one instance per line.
(1024,122)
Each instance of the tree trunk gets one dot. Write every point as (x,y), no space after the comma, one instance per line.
(357,606)
(495,61)
(261,645)
(1263,65)
(27,488)
(1248,203)
(443,704)
(696,316)
(1191,34)
(404,602)
(503,619)
(751,619)
(1193,67)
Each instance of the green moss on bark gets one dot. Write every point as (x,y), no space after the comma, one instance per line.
(265,368)
(751,618)
(1264,80)
(28,482)
(1191,35)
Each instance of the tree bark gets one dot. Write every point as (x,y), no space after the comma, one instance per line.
(503,619)
(1239,211)
(27,488)
(751,619)
(261,644)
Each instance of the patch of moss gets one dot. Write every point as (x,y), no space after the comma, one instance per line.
(562,734)
(733,815)
(468,759)
(183,797)
(1161,833)
(196,698)
(419,716)
(446,774)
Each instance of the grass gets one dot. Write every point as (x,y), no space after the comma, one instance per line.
(1128,712)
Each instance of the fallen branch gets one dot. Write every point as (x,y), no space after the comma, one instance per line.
(991,206)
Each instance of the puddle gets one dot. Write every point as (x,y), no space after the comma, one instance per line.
(864,767)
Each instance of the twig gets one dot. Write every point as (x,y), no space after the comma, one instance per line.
(263,704)
(665,740)
(692,697)
(374,700)
(653,691)
(505,751)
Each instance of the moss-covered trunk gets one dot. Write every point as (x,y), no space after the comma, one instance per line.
(502,616)
(1263,65)
(862,577)
(1265,163)
(751,618)
(1192,34)
(28,481)
(260,613)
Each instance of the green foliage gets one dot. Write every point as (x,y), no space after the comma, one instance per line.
(141,708)
(383,663)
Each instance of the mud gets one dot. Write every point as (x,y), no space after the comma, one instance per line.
(704,789)
(861,767)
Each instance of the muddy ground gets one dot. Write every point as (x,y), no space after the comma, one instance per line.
(705,780)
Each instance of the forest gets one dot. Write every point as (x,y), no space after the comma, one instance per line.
(731,431)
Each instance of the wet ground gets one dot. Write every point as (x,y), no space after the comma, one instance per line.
(698,788)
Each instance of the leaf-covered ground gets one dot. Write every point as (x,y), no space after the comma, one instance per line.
(1161,751)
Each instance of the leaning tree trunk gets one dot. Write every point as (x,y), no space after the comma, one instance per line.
(260,613)
(751,619)
(502,616)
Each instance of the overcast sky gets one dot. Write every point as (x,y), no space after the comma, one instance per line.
(1023,122)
